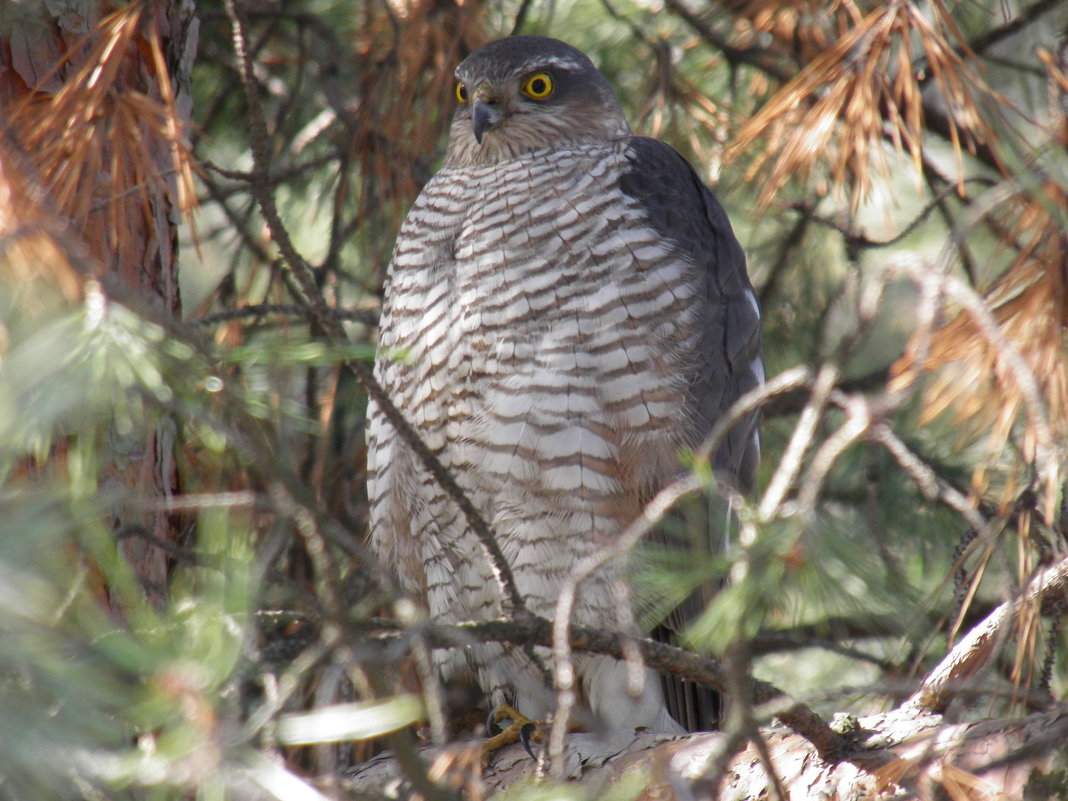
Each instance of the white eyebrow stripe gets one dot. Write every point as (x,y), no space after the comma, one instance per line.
(560,62)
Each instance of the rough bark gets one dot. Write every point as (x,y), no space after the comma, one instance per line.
(895,756)
(92,105)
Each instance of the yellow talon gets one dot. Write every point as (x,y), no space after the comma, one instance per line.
(521,729)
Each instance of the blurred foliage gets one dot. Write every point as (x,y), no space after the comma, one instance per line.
(856,562)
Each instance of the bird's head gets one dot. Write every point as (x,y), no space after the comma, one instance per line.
(523,93)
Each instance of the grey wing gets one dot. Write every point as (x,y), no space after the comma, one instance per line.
(726,365)
(728,362)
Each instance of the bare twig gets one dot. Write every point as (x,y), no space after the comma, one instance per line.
(785,383)
(291,309)
(804,432)
(926,479)
(788,246)
(859,239)
(858,420)
(1025,17)
(751,56)
(974,650)
(737,664)
(794,401)
(563,667)
(660,656)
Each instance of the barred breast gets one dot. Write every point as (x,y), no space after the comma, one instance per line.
(533,332)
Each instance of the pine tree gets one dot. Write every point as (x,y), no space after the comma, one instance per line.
(186,603)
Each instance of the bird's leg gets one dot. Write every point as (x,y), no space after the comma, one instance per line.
(521,730)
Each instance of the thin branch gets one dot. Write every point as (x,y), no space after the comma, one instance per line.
(291,309)
(636,30)
(738,667)
(563,667)
(277,176)
(862,241)
(788,245)
(858,420)
(752,56)
(804,432)
(974,650)
(930,484)
(794,401)
(772,643)
(665,658)
(784,383)
(236,220)
(520,17)
(936,180)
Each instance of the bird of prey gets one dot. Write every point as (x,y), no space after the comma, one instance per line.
(566,312)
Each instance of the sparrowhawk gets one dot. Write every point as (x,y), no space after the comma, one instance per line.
(566,312)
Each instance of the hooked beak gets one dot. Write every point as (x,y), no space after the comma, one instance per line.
(486,113)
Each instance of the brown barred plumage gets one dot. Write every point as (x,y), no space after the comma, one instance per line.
(566,310)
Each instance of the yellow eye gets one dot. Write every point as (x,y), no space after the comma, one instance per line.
(461,92)
(538,86)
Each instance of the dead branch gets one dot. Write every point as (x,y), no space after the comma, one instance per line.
(975,649)
(260,310)
(750,56)
(660,656)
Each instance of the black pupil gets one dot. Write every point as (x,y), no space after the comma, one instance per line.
(463,92)
(538,86)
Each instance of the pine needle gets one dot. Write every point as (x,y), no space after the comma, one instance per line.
(110,143)
(833,119)
(1029,307)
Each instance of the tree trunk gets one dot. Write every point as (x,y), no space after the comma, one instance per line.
(94,105)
